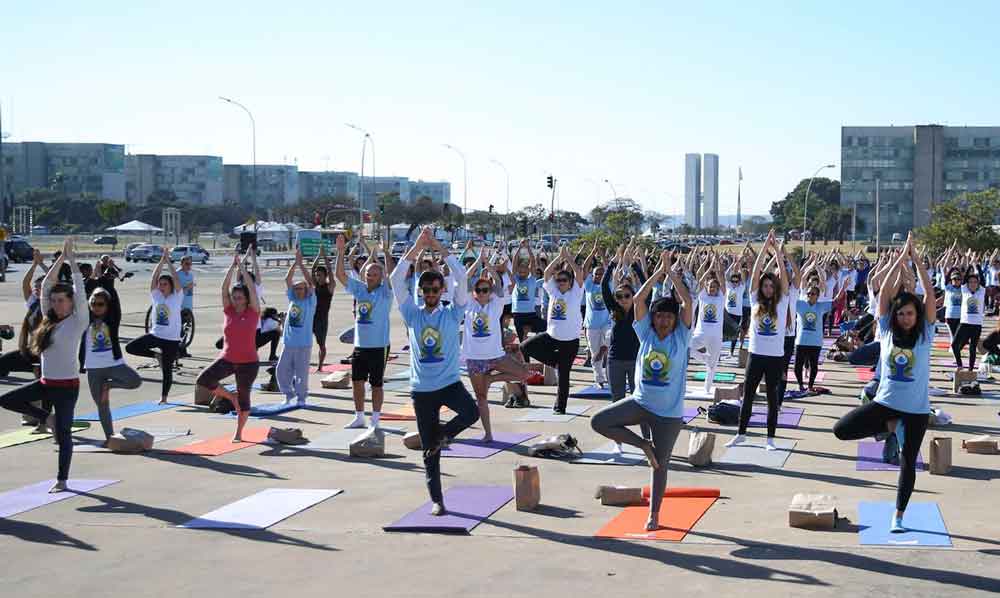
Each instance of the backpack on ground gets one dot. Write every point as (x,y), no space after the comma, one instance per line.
(724,413)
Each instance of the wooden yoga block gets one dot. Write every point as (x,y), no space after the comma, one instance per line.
(729,392)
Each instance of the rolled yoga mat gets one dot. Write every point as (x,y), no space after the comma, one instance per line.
(261,510)
(467,507)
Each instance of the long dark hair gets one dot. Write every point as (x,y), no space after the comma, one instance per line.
(43,334)
(617,313)
(768,305)
(906,339)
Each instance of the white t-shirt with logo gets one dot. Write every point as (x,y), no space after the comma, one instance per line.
(972,306)
(166,316)
(734,298)
(565,320)
(710,314)
(766,333)
(99,353)
(483,338)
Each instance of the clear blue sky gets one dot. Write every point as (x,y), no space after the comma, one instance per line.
(585,90)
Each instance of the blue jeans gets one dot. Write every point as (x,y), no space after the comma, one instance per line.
(427,407)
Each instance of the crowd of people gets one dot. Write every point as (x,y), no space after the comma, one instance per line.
(505,315)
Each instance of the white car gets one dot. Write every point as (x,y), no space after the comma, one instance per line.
(197,254)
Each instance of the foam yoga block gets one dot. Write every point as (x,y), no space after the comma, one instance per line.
(261,510)
(467,507)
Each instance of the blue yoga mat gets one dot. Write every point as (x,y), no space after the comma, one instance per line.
(592,392)
(272,408)
(132,410)
(923,522)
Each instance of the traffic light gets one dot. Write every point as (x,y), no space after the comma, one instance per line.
(491,208)
(552,216)
(550,181)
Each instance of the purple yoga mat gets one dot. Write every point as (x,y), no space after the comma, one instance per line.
(37,495)
(475,448)
(870,458)
(788,417)
(467,506)
(689,414)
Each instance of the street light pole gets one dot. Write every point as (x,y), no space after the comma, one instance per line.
(465,182)
(507,178)
(253,155)
(366,137)
(805,207)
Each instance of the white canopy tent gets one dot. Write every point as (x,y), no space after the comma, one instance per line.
(136,226)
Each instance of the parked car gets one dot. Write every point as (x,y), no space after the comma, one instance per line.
(18,250)
(399,248)
(197,254)
(127,252)
(147,253)
(106,240)
(678,247)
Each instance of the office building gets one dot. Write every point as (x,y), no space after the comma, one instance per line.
(195,180)
(915,167)
(710,191)
(692,190)
(439,192)
(328,184)
(277,185)
(76,169)
(371,190)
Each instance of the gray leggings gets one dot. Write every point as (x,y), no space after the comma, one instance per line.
(612,421)
(119,376)
(618,371)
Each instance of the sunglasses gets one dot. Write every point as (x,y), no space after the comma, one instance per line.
(483,290)
(622,296)
(98,304)
(430,290)
(562,280)
(812,294)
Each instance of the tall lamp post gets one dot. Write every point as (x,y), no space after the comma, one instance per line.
(366,137)
(805,207)
(507,178)
(465,181)
(253,151)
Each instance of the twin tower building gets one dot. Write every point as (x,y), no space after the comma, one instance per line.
(701,190)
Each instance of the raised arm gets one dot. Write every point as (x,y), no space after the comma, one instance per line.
(578,273)
(890,284)
(680,292)
(156,272)
(227,282)
(29,276)
(340,273)
(639,300)
(290,275)
(173,272)
(930,304)
(758,264)
(50,280)
(250,287)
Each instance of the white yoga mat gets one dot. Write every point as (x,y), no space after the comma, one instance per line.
(261,510)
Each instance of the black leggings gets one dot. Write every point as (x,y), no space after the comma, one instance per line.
(63,399)
(952,325)
(806,356)
(967,333)
(143,347)
(787,357)
(768,367)
(870,419)
(15,361)
(245,374)
(427,408)
(557,354)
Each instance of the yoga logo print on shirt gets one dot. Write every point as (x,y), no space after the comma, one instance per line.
(956,299)
(973,307)
(295,316)
(597,299)
(522,292)
(559,309)
(100,338)
(162,315)
(656,369)
(364,312)
(430,345)
(809,321)
(481,325)
(901,365)
(708,315)
(766,326)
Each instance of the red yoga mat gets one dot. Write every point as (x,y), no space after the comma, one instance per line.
(680,511)
(214,447)
(864,374)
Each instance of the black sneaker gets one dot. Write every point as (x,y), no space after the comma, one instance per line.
(522,401)
(511,400)
(559,410)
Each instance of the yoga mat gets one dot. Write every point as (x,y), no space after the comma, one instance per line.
(579,360)
(470,448)
(273,408)
(26,435)
(796,394)
(333,367)
(788,417)
(870,458)
(256,386)
(678,514)
(405,413)
(545,414)
(864,374)
(14,502)
(719,377)
(607,454)
(467,506)
(925,526)
(336,440)
(592,392)
(347,336)
(754,453)
(159,433)
(689,414)
(126,411)
(222,445)
(261,510)
(700,395)
(820,376)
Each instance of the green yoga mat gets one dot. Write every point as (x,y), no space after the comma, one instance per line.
(719,377)
(24,435)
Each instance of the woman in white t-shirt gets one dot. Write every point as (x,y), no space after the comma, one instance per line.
(558,345)
(767,339)
(482,338)
(168,297)
(708,329)
(970,325)
(106,367)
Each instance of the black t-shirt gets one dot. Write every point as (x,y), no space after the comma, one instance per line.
(323,298)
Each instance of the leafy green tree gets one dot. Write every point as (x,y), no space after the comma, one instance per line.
(967,219)
(787,213)
(111,212)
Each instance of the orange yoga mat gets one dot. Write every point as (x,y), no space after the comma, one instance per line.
(680,510)
(213,447)
(864,374)
(405,413)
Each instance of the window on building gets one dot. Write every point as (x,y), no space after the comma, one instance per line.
(981,142)
(863,141)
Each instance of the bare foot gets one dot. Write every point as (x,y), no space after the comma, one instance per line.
(59,486)
(647,448)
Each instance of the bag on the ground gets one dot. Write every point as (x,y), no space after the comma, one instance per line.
(724,413)
(221,405)
(287,435)
(940,460)
(561,446)
(812,511)
(369,444)
(938,417)
(336,380)
(971,389)
(527,488)
(700,447)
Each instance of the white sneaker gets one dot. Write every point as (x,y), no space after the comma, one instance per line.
(738,439)
(770,445)
(357,422)
(618,448)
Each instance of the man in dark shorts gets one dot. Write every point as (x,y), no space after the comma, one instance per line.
(371,332)
(325,285)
